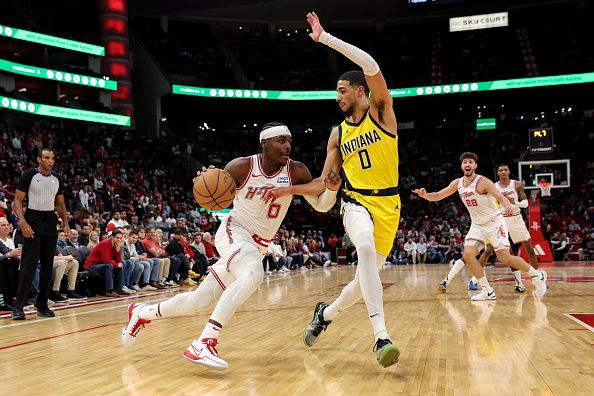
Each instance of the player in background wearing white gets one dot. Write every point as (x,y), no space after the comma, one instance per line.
(241,240)
(364,147)
(512,190)
(478,194)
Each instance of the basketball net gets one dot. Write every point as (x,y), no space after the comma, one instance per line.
(545,188)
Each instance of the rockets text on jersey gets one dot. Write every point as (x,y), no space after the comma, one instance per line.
(481,207)
(259,217)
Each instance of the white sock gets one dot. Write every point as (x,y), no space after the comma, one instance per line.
(458,265)
(518,277)
(533,272)
(151,312)
(210,331)
(485,283)
(473,279)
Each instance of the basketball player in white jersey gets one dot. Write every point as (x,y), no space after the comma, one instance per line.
(241,240)
(479,193)
(514,192)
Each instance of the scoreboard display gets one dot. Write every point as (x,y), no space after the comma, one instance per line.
(541,140)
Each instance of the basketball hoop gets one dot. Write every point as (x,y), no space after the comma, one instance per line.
(545,188)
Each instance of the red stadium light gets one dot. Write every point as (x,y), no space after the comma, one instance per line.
(114,26)
(117,6)
(119,69)
(122,94)
(114,31)
(116,49)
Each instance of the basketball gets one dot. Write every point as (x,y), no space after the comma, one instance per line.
(214,189)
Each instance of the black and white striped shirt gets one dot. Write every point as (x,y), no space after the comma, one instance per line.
(41,190)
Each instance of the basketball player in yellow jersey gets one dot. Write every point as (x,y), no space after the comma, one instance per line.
(364,148)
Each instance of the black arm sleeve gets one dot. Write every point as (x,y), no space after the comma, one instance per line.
(25,180)
(60,186)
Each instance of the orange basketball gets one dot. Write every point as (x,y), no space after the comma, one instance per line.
(214,189)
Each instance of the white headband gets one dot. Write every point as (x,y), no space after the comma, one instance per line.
(279,130)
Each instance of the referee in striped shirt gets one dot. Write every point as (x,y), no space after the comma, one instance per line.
(38,223)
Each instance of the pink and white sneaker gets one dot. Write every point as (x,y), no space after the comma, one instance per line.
(204,352)
(134,325)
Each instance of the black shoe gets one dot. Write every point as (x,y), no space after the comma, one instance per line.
(56,297)
(18,314)
(73,296)
(48,313)
(5,307)
(315,327)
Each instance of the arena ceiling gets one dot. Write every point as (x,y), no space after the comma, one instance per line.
(335,12)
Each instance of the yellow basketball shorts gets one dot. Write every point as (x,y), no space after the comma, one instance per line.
(385,214)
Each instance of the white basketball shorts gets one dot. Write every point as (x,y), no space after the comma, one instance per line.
(238,250)
(494,232)
(517,228)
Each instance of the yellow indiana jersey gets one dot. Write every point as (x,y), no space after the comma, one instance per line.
(369,154)
(370,176)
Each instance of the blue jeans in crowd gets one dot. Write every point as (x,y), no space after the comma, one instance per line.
(132,272)
(110,274)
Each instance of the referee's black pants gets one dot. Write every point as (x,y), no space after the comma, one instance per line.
(39,249)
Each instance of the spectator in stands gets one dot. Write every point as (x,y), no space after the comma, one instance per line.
(333,243)
(64,265)
(410,247)
(154,249)
(422,250)
(73,239)
(132,270)
(105,259)
(61,239)
(435,255)
(453,253)
(155,262)
(116,222)
(574,227)
(83,237)
(200,259)
(178,257)
(149,268)
(560,245)
(93,239)
(209,248)
(83,197)
(274,258)
(10,257)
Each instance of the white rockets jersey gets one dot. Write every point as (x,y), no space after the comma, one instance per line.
(249,209)
(482,207)
(510,193)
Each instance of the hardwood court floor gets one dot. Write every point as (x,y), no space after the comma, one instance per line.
(449,345)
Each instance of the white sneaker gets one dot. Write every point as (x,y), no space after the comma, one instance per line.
(304,269)
(327,263)
(484,295)
(127,289)
(284,269)
(540,283)
(136,287)
(134,325)
(204,352)
(148,287)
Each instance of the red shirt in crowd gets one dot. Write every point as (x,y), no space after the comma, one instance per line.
(209,249)
(150,244)
(104,253)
